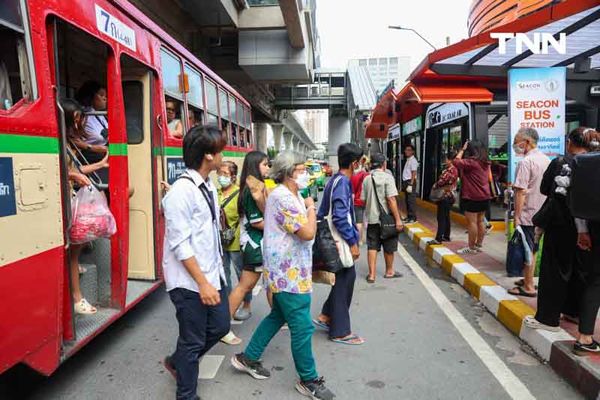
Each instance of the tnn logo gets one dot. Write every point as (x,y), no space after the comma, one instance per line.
(540,43)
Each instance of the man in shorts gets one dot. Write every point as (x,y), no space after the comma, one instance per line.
(380,186)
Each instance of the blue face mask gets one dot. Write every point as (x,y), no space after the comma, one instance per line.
(224,181)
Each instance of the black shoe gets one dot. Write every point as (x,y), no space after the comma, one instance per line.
(581,349)
(253,368)
(315,389)
(434,242)
(410,220)
(168,363)
(446,239)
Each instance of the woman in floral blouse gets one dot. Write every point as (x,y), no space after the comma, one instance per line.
(447,181)
(290,227)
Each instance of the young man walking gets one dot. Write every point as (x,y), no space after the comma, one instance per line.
(379,191)
(409,183)
(192,263)
(528,199)
(335,314)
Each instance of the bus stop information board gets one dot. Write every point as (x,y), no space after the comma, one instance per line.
(537,100)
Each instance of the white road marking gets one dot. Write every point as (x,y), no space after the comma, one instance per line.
(509,381)
(209,366)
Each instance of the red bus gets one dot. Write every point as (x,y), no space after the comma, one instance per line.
(47,50)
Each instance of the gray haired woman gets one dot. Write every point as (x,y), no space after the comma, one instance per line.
(290,227)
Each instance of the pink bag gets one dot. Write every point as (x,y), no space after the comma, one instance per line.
(92,218)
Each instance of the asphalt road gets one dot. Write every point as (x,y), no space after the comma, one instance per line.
(426,339)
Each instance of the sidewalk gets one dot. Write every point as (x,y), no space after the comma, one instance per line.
(484,276)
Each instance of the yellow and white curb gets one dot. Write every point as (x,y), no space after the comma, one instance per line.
(508,309)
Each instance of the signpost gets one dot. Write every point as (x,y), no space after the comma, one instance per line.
(537,100)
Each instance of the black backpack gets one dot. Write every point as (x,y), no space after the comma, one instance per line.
(584,192)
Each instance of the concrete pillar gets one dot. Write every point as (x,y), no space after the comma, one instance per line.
(277,134)
(295,144)
(287,138)
(260,130)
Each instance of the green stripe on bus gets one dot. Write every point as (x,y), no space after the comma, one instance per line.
(178,152)
(28,144)
(117,149)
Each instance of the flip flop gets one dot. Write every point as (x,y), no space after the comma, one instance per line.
(321,324)
(519,291)
(351,340)
(521,282)
(395,275)
(370,280)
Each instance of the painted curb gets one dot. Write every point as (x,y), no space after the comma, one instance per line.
(508,309)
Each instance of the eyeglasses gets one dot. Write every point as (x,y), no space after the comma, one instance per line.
(170,110)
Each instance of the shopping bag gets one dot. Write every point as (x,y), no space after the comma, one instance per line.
(92,218)
(515,255)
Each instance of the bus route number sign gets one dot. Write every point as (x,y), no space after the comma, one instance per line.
(8,204)
(175,167)
(114,28)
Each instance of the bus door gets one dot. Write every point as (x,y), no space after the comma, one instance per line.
(79,59)
(138,86)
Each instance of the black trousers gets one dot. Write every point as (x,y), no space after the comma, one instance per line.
(560,284)
(200,328)
(337,305)
(411,200)
(589,266)
(443,220)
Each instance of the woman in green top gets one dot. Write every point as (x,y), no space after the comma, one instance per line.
(250,209)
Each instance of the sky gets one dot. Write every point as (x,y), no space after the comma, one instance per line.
(359,28)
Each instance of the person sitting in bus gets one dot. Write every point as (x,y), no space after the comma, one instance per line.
(173,123)
(193,119)
(94,144)
(77,173)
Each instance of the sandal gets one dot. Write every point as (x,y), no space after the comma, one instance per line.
(320,324)
(352,340)
(231,339)
(521,282)
(519,291)
(396,274)
(85,308)
(370,280)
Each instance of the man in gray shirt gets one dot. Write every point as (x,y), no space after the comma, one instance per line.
(380,187)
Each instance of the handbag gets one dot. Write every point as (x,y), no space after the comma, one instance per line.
(324,277)
(228,232)
(437,194)
(330,252)
(387,222)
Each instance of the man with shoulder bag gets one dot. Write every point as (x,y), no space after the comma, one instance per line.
(338,208)
(379,194)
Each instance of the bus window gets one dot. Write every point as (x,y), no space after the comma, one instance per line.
(15,75)
(174,109)
(171,72)
(233,118)
(212,107)
(195,96)
(133,97)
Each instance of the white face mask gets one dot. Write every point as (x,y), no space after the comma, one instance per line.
(302,180)
(224,181)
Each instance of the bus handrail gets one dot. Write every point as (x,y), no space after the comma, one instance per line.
(65,174)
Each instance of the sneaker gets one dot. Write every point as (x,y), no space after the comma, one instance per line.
(242,314)
(315,389)
(168,363)
(434,242)
(446,239)
(467,250)
(231,339)
(253,368)
(581,349)
(533,323)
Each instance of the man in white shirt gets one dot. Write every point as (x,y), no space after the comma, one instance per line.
(409,183)
(192,261)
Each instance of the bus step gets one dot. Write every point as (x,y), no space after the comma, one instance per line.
(89,283)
